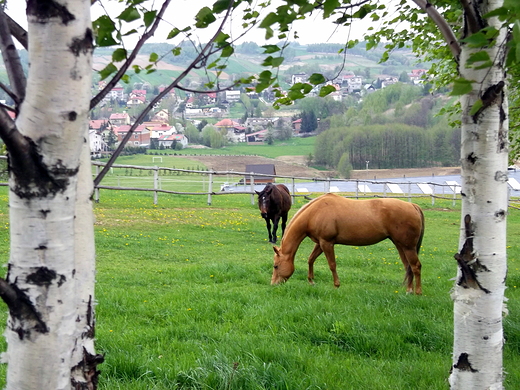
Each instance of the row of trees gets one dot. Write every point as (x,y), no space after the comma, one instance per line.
(389,146)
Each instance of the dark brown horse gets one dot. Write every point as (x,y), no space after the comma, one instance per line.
(274,202)
(332,219)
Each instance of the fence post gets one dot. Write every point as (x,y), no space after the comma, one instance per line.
(357,189)
(155,182)
(210,187)
(96,190)
(409,192)
(293,191)
(252,182)
(433,195)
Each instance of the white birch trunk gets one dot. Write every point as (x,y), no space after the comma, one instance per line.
(52,243)
(479,292)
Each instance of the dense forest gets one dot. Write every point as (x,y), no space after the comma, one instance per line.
(396,127)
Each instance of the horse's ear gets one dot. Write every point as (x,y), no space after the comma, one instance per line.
(258,193)
(276,250)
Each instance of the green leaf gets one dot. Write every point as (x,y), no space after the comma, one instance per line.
(119,55)
(153,57)
(204,17)
(149,18)
(227,51)
(277,61)
(173,33)
(270,49)
(477,106)
(479,56)
(269,20)
(317,78)
(461,86)
(220,6)
(129,15)
(107,71)
(476,40)
(329,6)
(327,89)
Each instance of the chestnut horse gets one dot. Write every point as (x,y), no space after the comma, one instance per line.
(331,219)
(274,202)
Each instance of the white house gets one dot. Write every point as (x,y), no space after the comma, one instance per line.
(97,145)
(298,78)
(168,140)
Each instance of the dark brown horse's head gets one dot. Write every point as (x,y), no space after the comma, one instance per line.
(264,198)
(283,267)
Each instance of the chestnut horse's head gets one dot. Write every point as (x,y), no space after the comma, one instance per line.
(283,267)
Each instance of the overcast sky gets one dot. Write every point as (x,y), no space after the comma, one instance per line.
(181,13)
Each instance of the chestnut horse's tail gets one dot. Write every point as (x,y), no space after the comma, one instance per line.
(419,243)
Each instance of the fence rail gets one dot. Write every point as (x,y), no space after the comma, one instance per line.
(245,184)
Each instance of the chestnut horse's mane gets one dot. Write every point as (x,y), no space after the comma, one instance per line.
(295,216)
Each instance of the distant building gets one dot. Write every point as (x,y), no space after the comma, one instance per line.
(119,119)
(265,169)
(298,78)
(173,139)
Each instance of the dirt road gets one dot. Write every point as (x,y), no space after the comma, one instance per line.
(296,166)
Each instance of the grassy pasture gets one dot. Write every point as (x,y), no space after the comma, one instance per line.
(184,302)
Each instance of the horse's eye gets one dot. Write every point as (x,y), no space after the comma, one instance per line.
(275,267)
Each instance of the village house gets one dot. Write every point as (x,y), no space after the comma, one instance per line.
(417,75)
(161,116)
(116,93)
(298,78)
(171,140)
(256,137)
(297,125)
(119,119)
(135,101)
(97,144)
(140,137)
(158,130)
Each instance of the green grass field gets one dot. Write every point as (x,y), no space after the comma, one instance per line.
(184,302)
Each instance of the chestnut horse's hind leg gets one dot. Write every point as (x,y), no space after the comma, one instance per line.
(412,266)
(312,258)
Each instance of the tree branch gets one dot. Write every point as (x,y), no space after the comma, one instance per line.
(18,32)
(472,21)
(11,59)
(444,28)
(174,84)
(96,99)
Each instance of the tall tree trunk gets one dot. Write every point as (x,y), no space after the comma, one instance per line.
(51,267)
(479,291)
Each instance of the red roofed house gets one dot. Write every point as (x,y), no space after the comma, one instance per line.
(140,137)
(160,129)
(119,119)
(136,100)
(297,124)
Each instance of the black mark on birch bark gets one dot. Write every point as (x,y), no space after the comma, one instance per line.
(463,363)
(491,96)
(82,45)
(43,10)
(467,260)
(87,370)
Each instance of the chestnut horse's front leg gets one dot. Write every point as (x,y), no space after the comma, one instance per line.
(328,248)
(312,258)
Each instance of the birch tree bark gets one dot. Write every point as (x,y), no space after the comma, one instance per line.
(50,282)
(479,291)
